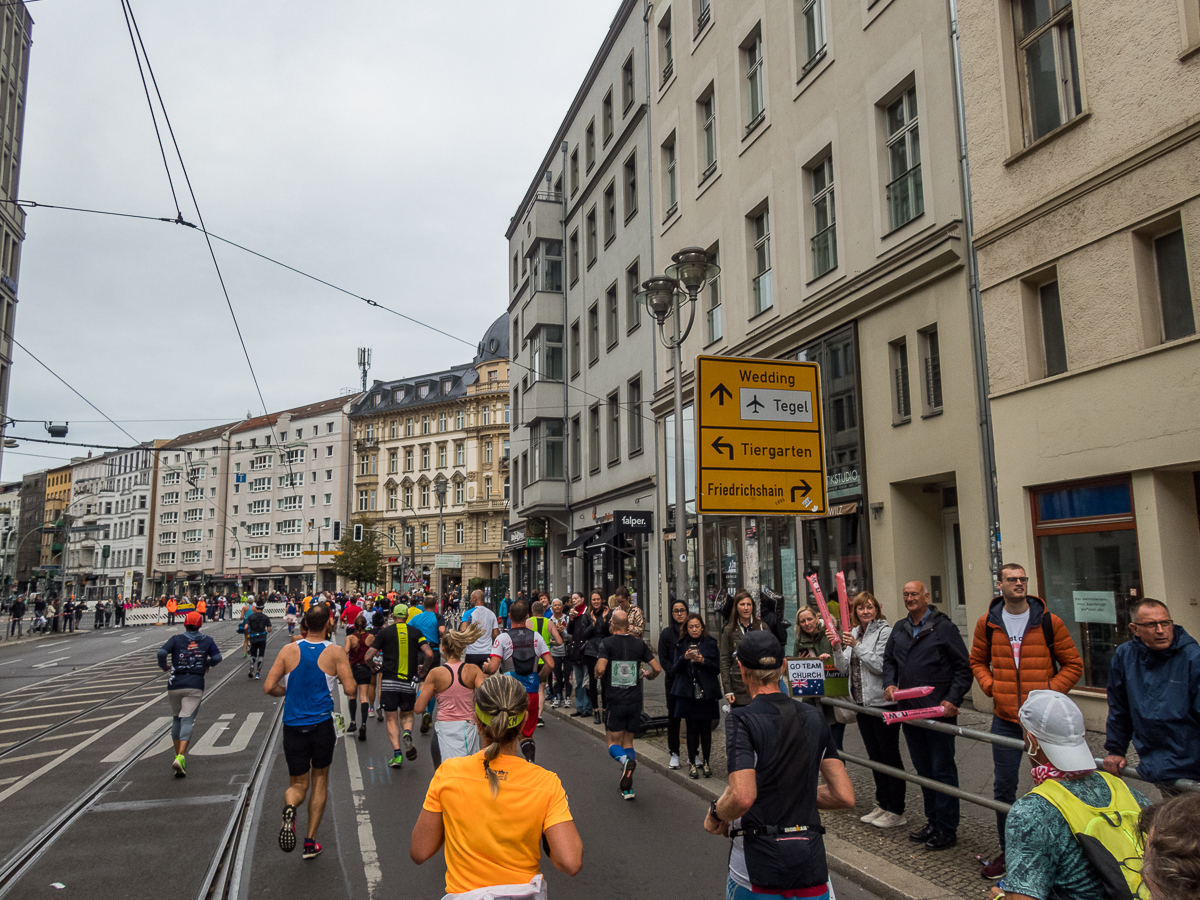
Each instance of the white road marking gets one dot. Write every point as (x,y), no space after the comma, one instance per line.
(11,661)
(63,757)
(13,759)
(73,734)
(366,834)
(46,665)
(206,745)
(23,717)
(123,752)
(130,640)
(9,780)
(24,728)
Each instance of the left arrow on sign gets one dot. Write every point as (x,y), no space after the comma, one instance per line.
(718,445)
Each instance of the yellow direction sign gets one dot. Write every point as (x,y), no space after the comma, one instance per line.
(758,431)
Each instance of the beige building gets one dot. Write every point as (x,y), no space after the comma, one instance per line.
(1085,171)
(812,149)
(447,429)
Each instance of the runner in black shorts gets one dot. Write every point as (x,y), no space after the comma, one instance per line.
(400,645)
(358,641)
(258,626)
(620,667)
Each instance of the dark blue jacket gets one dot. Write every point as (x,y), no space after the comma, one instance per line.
(1154,699)
(685,674)
(192,654)
(937,657)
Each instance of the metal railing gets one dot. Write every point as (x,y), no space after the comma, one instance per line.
(972,734)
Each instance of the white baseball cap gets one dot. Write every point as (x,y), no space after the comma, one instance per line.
(1057,723)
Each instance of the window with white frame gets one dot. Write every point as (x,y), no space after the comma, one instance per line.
(460,453)
(295,455)
(295,479)
(260,484)
(258,529)
(193,536)
(408,427)
(905,198)
(824,239)
(391,498)
(487,487)
(425,457)
(258,507)
(756,101)
(712,302)
(458,493)
(168,537)
(194,494)
(362,501)
(1048,64)
(813,18)
(408,496)
(328,499)
(193,515)
(408,459)
(289,503)
(460,418)
(441,421)
(760,233)
(289,526)
(441,456)
(485,531)
(708,132)
(670,185)
(258,551)
(190,557)
(666,53)
(168,518)
(424,495)
(545,357)
(288,551)
(171,478)
(424,535)
(165,559)
(260,462)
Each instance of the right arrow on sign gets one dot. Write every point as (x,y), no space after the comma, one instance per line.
(804,487)
(721,392)
(718,445)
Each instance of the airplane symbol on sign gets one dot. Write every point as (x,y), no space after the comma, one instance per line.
(755,405)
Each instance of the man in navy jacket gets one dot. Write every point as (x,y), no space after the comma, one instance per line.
(927,650)
(1154,699)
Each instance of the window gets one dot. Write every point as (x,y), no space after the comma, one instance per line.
(408,496)
(931,366)
(572,263)
(1054,342)
(441,456)
(424,419)
(612,315)
(289,526)
(576,448)
(670,185)
(325,501)
(362,501)
(260,551)
(408,427)
(633,309)
(546,357)
(459,535)
(752,54)
(487,452)
(901,401)
(166,559)
(610,213)
(460,417)
(665,51)
(708,132)
(905,198)
(170,497)
(703,14)
(167,537)
(424,495)
(188,557)
(171,478)
(260,484)
(425,457)
(760,228)
(295,455)
(393,461)
(813,14)
(607,117)
(372,499)
(546,449)
(364,464)
(547,268)
(824,240)
(590,231)
(514,272)
(574,171)
(712,303)
(614,428)
(594,442)
(631,195)
(441,422)
(286,503)
(458,493)
(487,487)
(1047,62)
(507,486)
(168,518)
(1174,292)
(192,515)
(627,83)
(424,535)
(460,453)
(264,461)
(485,531)
(485,415)
(258,507)
(593,334)
(329,450)
(442,534)
(589,143)
(288,551)
(408,459)
(635,416)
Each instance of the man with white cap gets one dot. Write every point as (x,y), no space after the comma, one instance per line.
(1045,855)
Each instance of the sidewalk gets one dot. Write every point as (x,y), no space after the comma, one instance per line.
(883,861)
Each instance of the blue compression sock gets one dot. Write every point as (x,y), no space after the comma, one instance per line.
(629,752)
(617,753)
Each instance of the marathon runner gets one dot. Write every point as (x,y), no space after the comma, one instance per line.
(358,642)
(192,655)
(453,683)
(478,652)
(258,626)
(289,615)
(494,811)
(400,645)
(304,673)
(516,652)
(433,626)
(620,669)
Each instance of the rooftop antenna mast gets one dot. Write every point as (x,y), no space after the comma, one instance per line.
(364,363)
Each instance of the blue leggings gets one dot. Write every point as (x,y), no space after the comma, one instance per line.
(181,727)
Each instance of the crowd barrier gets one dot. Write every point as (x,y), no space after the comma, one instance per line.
(137,615)
(958,731)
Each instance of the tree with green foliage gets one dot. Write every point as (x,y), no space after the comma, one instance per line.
(360,559)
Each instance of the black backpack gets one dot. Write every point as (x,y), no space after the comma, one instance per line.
(524,651)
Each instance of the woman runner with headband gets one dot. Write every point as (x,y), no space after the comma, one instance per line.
(493,810)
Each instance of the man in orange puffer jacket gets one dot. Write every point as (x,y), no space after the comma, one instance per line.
(1019,647)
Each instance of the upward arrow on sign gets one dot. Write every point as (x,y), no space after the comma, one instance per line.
(721,392)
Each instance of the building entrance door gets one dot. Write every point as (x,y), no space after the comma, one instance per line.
(956,601)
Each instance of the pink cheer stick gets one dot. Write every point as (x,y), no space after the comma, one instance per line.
(843,602)
(928,712)
(911,693)
(834,637)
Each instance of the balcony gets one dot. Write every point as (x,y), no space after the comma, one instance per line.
(543,400)
(545,496)
(366,444)
(493,504)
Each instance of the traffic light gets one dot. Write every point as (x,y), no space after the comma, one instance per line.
(337,531)
(358,533)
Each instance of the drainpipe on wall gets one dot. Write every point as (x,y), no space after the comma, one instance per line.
(566,376)
(978,338)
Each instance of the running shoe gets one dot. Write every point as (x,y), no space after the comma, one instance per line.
(426,721)
(628,795)
(674,763)
(693,772)
(627,775)
(707,770)
(311,848)
(379,714)
(541,722)
(287,832)
(250,674)
(370,711)
(362,731)
(410,749)
(396,761)
(351,727)
(258,676)
(179,765)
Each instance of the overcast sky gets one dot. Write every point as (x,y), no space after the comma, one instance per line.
(382,145)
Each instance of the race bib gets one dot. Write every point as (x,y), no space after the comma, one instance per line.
(624,673)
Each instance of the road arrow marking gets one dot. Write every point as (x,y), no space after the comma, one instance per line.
(717,445)
(721,392)
(802,486)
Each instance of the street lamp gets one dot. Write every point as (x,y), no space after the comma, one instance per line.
(440,488)
(663,295)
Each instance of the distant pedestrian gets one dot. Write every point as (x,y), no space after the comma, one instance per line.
(697,690)
(813,643)
(742,621)
(926,650)
(1154,699)
(16,615)
(668,640)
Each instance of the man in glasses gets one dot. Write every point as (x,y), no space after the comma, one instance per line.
(1154,699)
(1019,646)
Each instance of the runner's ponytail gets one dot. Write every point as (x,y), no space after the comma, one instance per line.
(500,707)
(455,642)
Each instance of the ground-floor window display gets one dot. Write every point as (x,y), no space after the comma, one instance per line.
(1087,565)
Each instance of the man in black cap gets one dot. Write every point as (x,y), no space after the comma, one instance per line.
(776,747)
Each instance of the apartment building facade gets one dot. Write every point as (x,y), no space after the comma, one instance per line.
(431,470)
(28,551)
(16,27)
(1084,150)
(56,510)
(812,149)
(10,526)
(583,348)
(251,503)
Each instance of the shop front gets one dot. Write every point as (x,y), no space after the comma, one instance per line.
(527,547)
(616,553)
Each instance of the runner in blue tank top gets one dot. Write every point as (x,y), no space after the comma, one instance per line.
(304,674)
